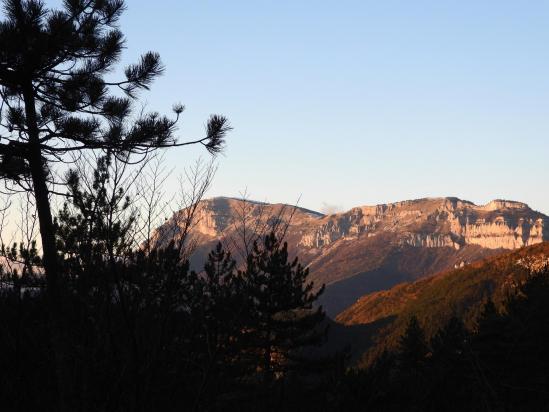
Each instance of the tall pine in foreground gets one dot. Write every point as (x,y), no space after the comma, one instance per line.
(282,320)
(218,316)
(58,99)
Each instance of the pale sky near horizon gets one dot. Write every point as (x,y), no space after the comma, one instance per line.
(346,103)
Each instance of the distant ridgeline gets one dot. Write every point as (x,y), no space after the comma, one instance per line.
(372,248)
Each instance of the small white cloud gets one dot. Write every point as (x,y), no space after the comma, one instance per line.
(329,209)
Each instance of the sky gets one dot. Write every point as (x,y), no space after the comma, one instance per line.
(347,103)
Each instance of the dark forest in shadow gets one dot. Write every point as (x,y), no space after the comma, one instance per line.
(103,318)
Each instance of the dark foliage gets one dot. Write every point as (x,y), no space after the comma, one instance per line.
(280,303)
(111,328)
(61,59)
(59,99)
(500,365)
(142,332)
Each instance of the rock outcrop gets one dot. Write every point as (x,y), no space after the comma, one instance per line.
(439,222)
(371,248)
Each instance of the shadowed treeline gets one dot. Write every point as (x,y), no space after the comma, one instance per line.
(106,318)
(499,364)
(140,331)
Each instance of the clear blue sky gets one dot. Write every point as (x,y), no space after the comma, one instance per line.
(359,102)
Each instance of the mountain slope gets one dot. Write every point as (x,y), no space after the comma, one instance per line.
(434,300)
(372,248)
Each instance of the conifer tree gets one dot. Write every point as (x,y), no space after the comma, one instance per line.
(451,371)
(221,291)
(449,343)
(218,316)
(221,308)
(281,317)
(58,99)
(412,348)
(94,226)
(489,341)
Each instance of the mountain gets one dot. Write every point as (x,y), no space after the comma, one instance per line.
(372,248)
(434,300)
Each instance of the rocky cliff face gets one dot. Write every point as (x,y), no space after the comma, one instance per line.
(444,222)
(431,223)
(372,248)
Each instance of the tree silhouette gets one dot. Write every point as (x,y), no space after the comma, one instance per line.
(58,99)
(451,367)
(282,319)
(489,347)
(412,348)
(219,316)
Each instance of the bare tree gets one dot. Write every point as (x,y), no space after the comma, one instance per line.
(153,202)
(253,221)
(6,263)
(184,208)
(56,100)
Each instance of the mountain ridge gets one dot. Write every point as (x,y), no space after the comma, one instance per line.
(491,205)
(370,248)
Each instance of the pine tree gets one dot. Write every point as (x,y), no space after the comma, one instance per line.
(511,347)
(94,226)
(488,346)
(58,100)
(449,343)
(451,368)
(412,369)
(218,321)
(281,318)
(222,304)
(489,340)
(412,347)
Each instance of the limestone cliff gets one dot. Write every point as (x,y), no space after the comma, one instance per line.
(438,222)
(370,248)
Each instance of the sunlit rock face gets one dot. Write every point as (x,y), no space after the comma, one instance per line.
(222,218)
(368,248)
(439,222)
(430,223)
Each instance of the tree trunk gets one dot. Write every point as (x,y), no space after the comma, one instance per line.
(47,234)
(41,194)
